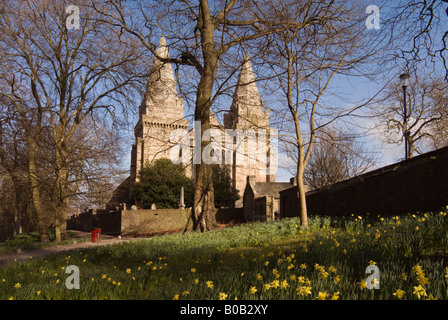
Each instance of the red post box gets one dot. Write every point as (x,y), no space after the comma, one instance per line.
(95,235)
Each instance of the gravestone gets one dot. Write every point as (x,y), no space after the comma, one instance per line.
(182,204)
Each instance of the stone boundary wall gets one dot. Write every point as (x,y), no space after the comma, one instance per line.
(144,221)
(417,184)
(108,220)
(229,215)
(147,221)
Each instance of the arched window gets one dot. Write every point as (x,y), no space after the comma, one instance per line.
(254,120)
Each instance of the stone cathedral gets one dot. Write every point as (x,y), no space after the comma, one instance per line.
(162,111)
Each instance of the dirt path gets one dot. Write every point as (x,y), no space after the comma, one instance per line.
(41,252)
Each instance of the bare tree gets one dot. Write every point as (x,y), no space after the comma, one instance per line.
(55,78)
(14,168)
(426,114)
(205,36)
(331,41)
(336,156)
(426,34)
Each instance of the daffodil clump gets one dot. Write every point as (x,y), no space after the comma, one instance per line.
(271,260)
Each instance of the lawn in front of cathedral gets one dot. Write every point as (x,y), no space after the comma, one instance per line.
(271,260)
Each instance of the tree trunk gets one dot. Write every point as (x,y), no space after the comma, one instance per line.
(18,206)
(60,192)
(42,217)
(301,192)
(203,210)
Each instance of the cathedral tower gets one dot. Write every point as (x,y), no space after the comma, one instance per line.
(247,114)
(160,112)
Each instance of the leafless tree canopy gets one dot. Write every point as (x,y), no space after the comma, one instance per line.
(57,81)
(426,111)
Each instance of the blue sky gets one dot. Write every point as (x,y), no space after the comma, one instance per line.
(352,91)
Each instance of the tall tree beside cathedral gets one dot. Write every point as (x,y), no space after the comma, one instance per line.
(332,41)
(203,33)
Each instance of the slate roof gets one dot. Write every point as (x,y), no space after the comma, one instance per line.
(262,189)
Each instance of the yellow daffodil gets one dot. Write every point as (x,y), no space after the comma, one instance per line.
(303,290)
(275,284)
(399,293)
(362,285)
(322,295)
(209,284)
(335,296)
(176,297)
(252,290)
(423,280)
(222,296)
(419,291)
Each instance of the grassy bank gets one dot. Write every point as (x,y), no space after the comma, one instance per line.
(273,260)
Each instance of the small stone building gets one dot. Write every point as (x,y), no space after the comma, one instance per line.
(261,200)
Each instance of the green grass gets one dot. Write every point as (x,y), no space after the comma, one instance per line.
(31,240)
(272,260)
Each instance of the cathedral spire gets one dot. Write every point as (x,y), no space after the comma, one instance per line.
(247,106)
(246,85)
(161,98)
